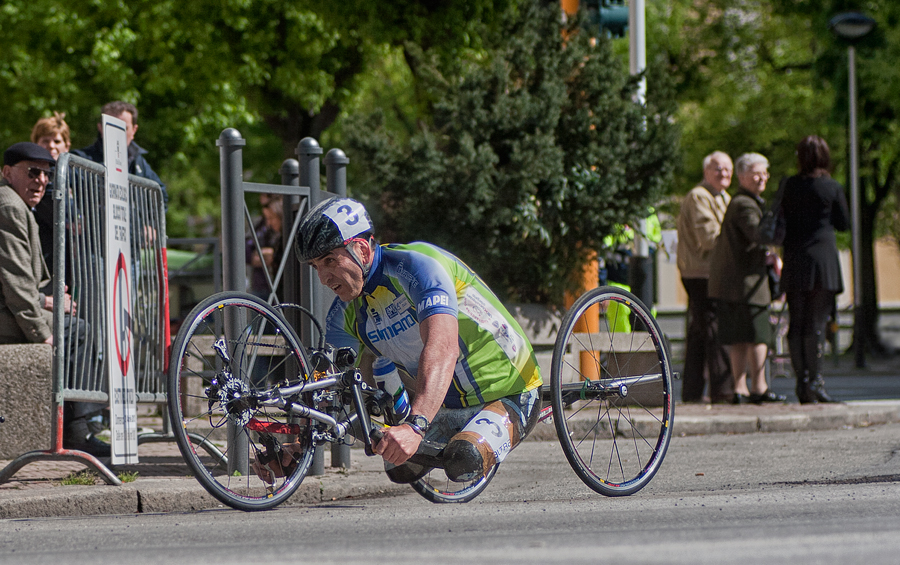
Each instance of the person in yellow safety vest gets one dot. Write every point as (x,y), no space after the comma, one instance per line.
(614,264)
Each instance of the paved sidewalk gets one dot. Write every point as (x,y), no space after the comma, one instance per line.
(163,484)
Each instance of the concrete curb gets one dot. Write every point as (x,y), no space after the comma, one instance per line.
(779,419)
(174,495)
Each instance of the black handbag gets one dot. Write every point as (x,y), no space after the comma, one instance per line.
(772,225)
(774,282)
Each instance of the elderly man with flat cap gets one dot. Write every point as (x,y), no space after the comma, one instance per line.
(26,300)
(24,310)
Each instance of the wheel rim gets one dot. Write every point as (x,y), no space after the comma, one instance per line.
(218,430)
(436,487)
(615,440)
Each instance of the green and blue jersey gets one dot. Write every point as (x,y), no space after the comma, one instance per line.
(410,282)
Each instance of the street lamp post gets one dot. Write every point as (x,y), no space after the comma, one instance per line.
(851,27)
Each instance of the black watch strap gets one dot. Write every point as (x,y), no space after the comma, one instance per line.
(419,424)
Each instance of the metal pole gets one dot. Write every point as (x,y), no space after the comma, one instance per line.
(308,151)
(336,182)
(290,176)
(59,277)
(234,262)
(640,272)
(336,162)
(637,44)
(858,314)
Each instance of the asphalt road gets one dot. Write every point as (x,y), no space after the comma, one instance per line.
(811,497)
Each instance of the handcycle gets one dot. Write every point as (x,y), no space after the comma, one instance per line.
(241,387)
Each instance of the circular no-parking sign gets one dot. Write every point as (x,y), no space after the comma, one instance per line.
(121,314)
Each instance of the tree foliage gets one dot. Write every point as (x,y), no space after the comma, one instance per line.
(745,80)
(277,70)
(529,157)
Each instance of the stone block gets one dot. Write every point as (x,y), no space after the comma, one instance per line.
(25,398)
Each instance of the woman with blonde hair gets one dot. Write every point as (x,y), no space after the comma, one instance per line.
(52,133)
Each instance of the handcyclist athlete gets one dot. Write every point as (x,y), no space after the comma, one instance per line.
(476,384)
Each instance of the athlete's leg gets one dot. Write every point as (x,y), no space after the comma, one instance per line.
(461,425)
(447,423)
(490,435)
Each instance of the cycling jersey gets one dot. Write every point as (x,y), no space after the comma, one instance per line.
(410,282)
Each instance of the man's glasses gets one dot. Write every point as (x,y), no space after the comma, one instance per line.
(35,172)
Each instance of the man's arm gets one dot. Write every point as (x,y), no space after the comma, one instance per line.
(440,334)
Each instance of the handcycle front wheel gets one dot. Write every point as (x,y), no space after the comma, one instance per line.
(231,346)
(611,391)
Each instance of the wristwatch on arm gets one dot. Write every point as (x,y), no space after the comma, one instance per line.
(419,424)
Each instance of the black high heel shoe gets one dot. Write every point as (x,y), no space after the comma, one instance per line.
(740,399)
(767,396)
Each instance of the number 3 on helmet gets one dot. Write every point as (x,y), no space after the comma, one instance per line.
(331,224)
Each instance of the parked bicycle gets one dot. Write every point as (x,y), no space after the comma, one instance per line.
(241,387)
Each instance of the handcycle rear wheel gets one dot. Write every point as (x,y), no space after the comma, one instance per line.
(437,488)
(232,345)
(611,391)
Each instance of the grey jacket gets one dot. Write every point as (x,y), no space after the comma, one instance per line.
(22,273)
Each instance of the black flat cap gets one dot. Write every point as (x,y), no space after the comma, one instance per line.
(26,151)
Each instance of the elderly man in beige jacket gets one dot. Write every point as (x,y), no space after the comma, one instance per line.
(26,300)
(699,223)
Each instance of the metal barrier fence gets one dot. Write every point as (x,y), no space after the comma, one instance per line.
(80,357)
(80,261)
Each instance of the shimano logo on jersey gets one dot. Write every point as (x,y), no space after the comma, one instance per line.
(434,300)
(391,331)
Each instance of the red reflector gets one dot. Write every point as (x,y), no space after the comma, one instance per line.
(272,427)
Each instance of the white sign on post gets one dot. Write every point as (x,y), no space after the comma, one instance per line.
(122,397)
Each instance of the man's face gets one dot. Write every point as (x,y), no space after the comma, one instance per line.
(718,174)
(130,126)
(55,144)
(754,179)
(31,190)
(339,272)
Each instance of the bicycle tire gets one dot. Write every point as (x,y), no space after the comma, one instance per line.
(436,487)
(615,439)
(218,434)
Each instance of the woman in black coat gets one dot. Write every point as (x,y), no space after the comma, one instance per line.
(814,207)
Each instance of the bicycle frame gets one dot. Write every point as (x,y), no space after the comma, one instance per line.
(288,399)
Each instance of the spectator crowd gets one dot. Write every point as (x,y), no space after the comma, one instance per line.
(731,270)
(26,249)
